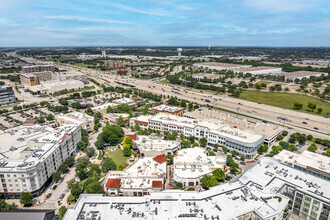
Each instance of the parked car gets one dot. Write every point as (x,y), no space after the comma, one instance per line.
(48,195)
(62,196)
(54,187)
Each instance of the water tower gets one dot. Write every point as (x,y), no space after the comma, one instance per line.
(179,52)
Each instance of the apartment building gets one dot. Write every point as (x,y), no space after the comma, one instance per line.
(70,75)
(38,68)
(7,95)
(112,118)
(113,64)
(244,142)
(29,155)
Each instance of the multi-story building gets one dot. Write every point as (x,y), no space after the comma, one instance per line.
(244,142)
(78,118)
(145,176)
(29,79)
(148,146)
(30,155)
(38,68)
(191,164)
(266,191)
(220,66)
(7,95)
(173,110)
(113,64)
(113,117)
(103,108)
(71,75)
(127,101)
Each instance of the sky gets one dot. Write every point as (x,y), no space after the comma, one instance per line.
(273,23)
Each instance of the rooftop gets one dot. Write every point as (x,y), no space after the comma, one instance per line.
(167,108)
(194,163)
(104,106)
(148,143)
(76,117)
(302,74)
(256,68)
(222,64)
(160,159)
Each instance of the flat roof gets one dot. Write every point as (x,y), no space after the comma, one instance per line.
(194,163)
(104,106)
(256,68)
(167,108)
(222,64)
(76,117)
(305,159)
(302,74)
(147,143)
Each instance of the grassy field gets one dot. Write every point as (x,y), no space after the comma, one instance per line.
(266,82)
(118,156)
(285,100)
(82,65)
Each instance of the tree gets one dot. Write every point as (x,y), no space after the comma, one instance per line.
(209,181)
(311,106)
(127,141)
(76,105)
(319,110)
(56,176)
(309,137)
(234,153)
(69,161)
(182,136)
(61,212)
(136,127)
(312,147)
(71,199)
(89,111)
(211,153)
(224,149)
(297,106)
(191,139)
(94,171)
(216,146)
(63,168)
(280,137)
(120,167)
(145,110)
(219,174)
(26,199)
(185,144)
(50,117)
(6,206)
(242,158)
(327,153)
(120,122)
(190,107)
(285,133)
(90,152)
(178,185)
(263,149)
(272,88)
(203,142)
(108,164)
(94,188)
(170,159)
(276,149)
(41,120)
(127,151)
(81,145)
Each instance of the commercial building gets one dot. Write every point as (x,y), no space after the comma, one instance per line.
(127,101)
(7,95)
(292,76)
(71,75)
(308,162)
(78,118)
(29,79)
(112,118)
(38,68)
(103,108)
(50,87)
(145,176)
(260,70)
(113,64)
(315,62)
(191,164)
(200,76)
(263,192)
(29,155)
(83,103)
(244,142)
(220,66)
(173,110)
(28,214)
(149,146)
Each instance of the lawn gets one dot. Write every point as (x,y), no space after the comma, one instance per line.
(284,100)
(266,82)
(117,156)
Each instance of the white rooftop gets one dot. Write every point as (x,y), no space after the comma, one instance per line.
(167,108)
(147,143)
(76,117)
(194,163)
(103,107)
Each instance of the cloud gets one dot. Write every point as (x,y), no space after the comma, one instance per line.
(279,5)
(156,12)
(79,18)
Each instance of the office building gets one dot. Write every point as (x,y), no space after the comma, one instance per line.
(220,66)
(7,95)
(149,146)
(292,76)
(113,64)
(38,68)
(78,118)
(127,101)
(191,164)
(31,154)
(51,87)
(112,118)
(71,75)
(258,70)
(173,110)
(28,214)
(145,176)
(103,108)
(244,142)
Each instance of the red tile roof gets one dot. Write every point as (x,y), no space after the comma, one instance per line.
(141,122)
(160,159)
(132,136)
(157,183)
(113,183)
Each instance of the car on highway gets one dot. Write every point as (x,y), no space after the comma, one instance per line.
(304,122)
(316,128)
(48,195)
(240,103)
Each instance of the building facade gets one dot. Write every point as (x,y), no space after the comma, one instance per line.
(28,166)
(78,118)
(7,95)
(38,68)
